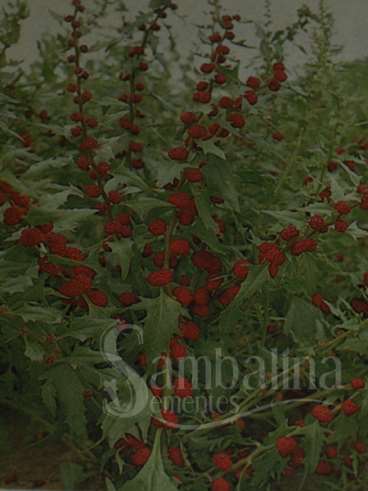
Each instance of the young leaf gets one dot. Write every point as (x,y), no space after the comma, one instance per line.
(153,476)
(160,324)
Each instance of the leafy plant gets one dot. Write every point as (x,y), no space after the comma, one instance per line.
(200,241)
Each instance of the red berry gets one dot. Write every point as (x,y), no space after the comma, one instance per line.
(176,456)
(136,147)
(193,174)
(225,102)
(160,278)
(89,143)
(207,261)
(290,232)
(304,245)
(183,295)
(241,269)
(324,468)
(183,387)
(92,190)
(360,447)
(215,37)
(202,86)
(220,484)
(177,349)
(236,120)
(140,456)
(322,413)
(157,227)
(76,287)
(253,82)
(128,298)
(169,416)
(207,67)
(180,247)
(115,197)
(189,330)
(358,383)
(280,75)
(220,78)
(178,153)
(97,297)
(274,85)
(331,452)
(182,200)
(229,294)
(197,132)
(286,445)
(188,118)
(251,97)
(350,407)
(316,222)
(341,226)
(31,237)
(14,215)
(222,461)
(342,207)
(319,302)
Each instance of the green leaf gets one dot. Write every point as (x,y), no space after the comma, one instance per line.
(66,220)
(115,427)
(160,324)
(109,485)
(153,476)
(301,320)
(34,350)
(203,204)
(314,439)
(83,328)
(156,4)
(265,466)
(69,391)
(209,147)
(36,313)
(144,205)
(220,178)
(122,252)
(48,394)
(254,282)
(72,475)
(16,285)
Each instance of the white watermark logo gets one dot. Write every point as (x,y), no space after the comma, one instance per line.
(219,384)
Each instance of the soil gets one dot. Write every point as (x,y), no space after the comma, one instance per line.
(28,464)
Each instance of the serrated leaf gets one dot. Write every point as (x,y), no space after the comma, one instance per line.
(35,313)
(203,204)
(220,178)
(153,476)
(209,147)
(69,391)
(34,350)
(122,251)
(314,439)
(83,328)
(254,282)
(160,324)
(48,394)
(301,320)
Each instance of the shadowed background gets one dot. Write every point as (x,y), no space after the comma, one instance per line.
(350,22)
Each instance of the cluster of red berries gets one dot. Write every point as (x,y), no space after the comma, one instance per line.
(19,204)
(134,96)
(78,279)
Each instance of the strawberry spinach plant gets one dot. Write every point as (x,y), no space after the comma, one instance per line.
(183,292)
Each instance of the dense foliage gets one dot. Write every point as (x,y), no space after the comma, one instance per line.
(215,215)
